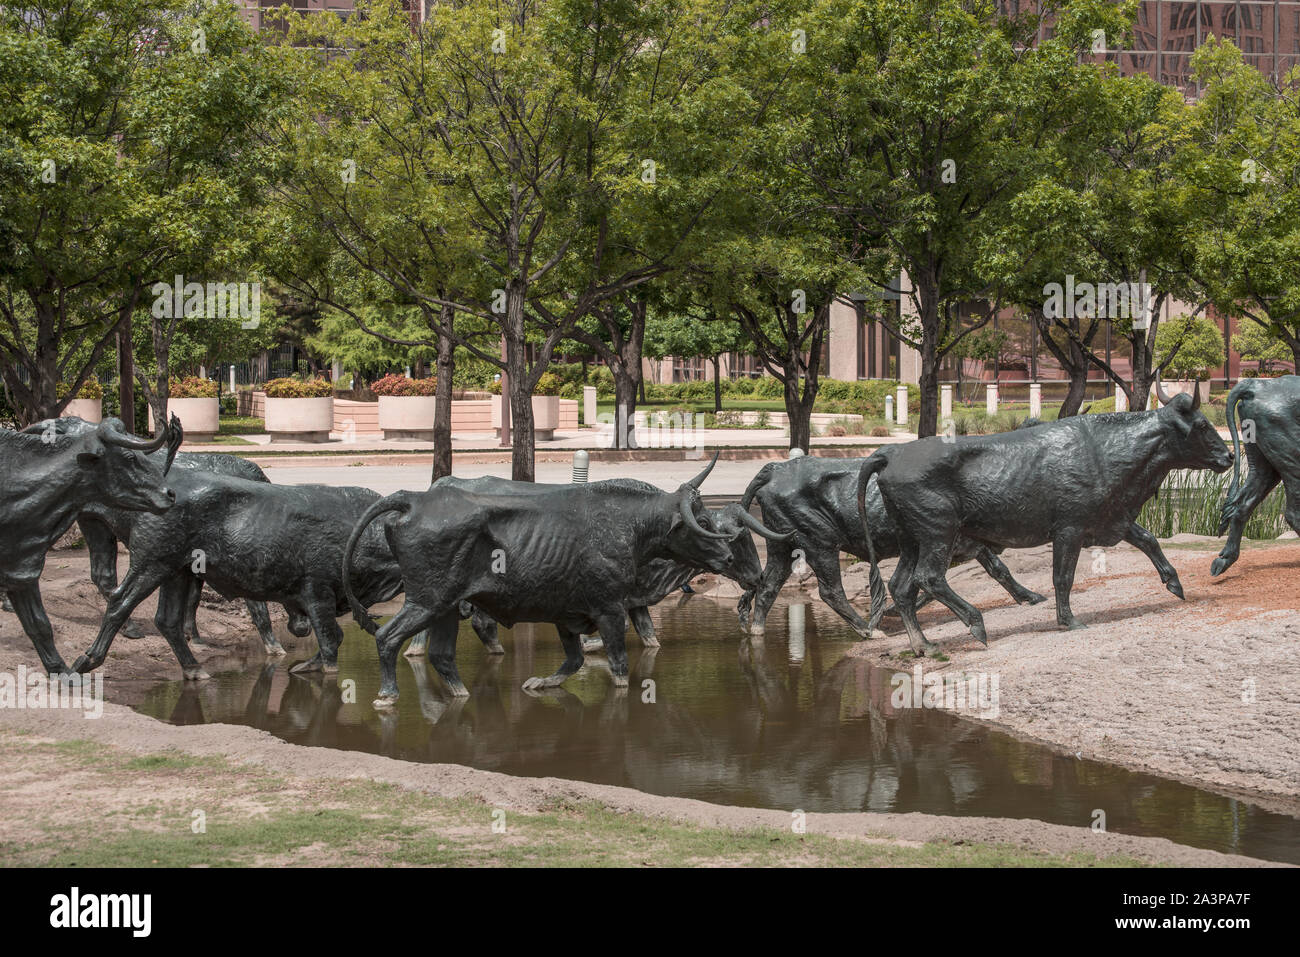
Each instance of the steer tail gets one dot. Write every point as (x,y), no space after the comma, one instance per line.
(876,463)
(1242,390)
(398,502)
(762,478)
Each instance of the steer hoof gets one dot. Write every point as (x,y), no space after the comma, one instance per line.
(275,650)
(757,631)
(83,665)
(195,674)
(385,702)
(309,666)
(1031,598)
(1072,624)
(1176,588)
(1219,566)
(132,629)
(495,648)
(537,684)
(592,644)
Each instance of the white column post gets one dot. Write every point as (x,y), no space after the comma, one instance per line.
(901,405)
(1035,400)
(945,403)
(991,398)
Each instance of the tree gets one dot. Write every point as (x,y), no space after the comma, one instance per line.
(1188,347)
(1243,159)
(125,158)
(928,119)
(695,332)
(1256,344)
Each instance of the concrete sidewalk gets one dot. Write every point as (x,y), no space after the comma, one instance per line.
(590,439)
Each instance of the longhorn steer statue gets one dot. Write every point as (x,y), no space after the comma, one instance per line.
(258,541)
(1075,483)
(98,522)
(658,578)
(568,555)
(46,481)
(1272,406)
(816,498)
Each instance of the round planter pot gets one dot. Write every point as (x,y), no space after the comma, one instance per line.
(300,420)
(92,410)
(546,415)
(407,417)
(200,418)
(1184,387)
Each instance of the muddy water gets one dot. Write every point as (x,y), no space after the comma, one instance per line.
(784,722)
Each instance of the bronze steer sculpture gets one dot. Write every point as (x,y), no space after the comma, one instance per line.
(1272,406)
(1075,483)
(46,481)
(257,541)
(98,522)
(817,499)
(658,578)
(567,555)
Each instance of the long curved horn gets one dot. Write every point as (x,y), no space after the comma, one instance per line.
(1160,392)
(1196,394)
(177,436)
(750,522)
(109,434)
(688,516)
(699,479)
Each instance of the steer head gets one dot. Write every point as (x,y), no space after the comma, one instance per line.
(735,520)
(692,538)
(1196,442)
(117,466)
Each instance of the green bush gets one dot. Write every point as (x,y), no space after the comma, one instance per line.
(90,389)
(299,389)
(1200,351)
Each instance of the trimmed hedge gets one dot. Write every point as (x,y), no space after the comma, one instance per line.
(299,389)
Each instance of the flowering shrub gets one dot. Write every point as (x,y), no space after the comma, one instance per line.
(299,389)
(548,384)
(192,387)
(90,389)
(400,385)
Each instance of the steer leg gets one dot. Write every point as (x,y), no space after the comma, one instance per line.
(388,641)
(485,626)
(1148,545)
(442,652)
(932,574)
(26,600)
(780,561)
(1260,480)
(173,608)
(1065,558)
(133,590)
(261,617)
(826,566)
(101,543)
(903,588)
(645,628)
(1002,575)
(320,609)
(572,642)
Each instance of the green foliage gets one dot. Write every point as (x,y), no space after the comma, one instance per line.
(90,389)
(548,384)
(299,389)
(1196,345)
(1257,343)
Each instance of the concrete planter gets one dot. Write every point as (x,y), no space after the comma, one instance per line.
(546,415)
(200,418)
(92,410)
(407,416)
(300,420)
(1184,387)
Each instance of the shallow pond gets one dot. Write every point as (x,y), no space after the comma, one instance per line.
(784,722)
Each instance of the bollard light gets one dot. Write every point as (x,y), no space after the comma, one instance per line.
(795,453)
(581,464)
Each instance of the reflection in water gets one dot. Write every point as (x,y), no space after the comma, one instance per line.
(784,721)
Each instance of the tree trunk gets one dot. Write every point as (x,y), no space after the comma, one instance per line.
(625,394)
(798,410)
(928,294)
(126,374)
(522,468)
(717,384)
(442,401)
